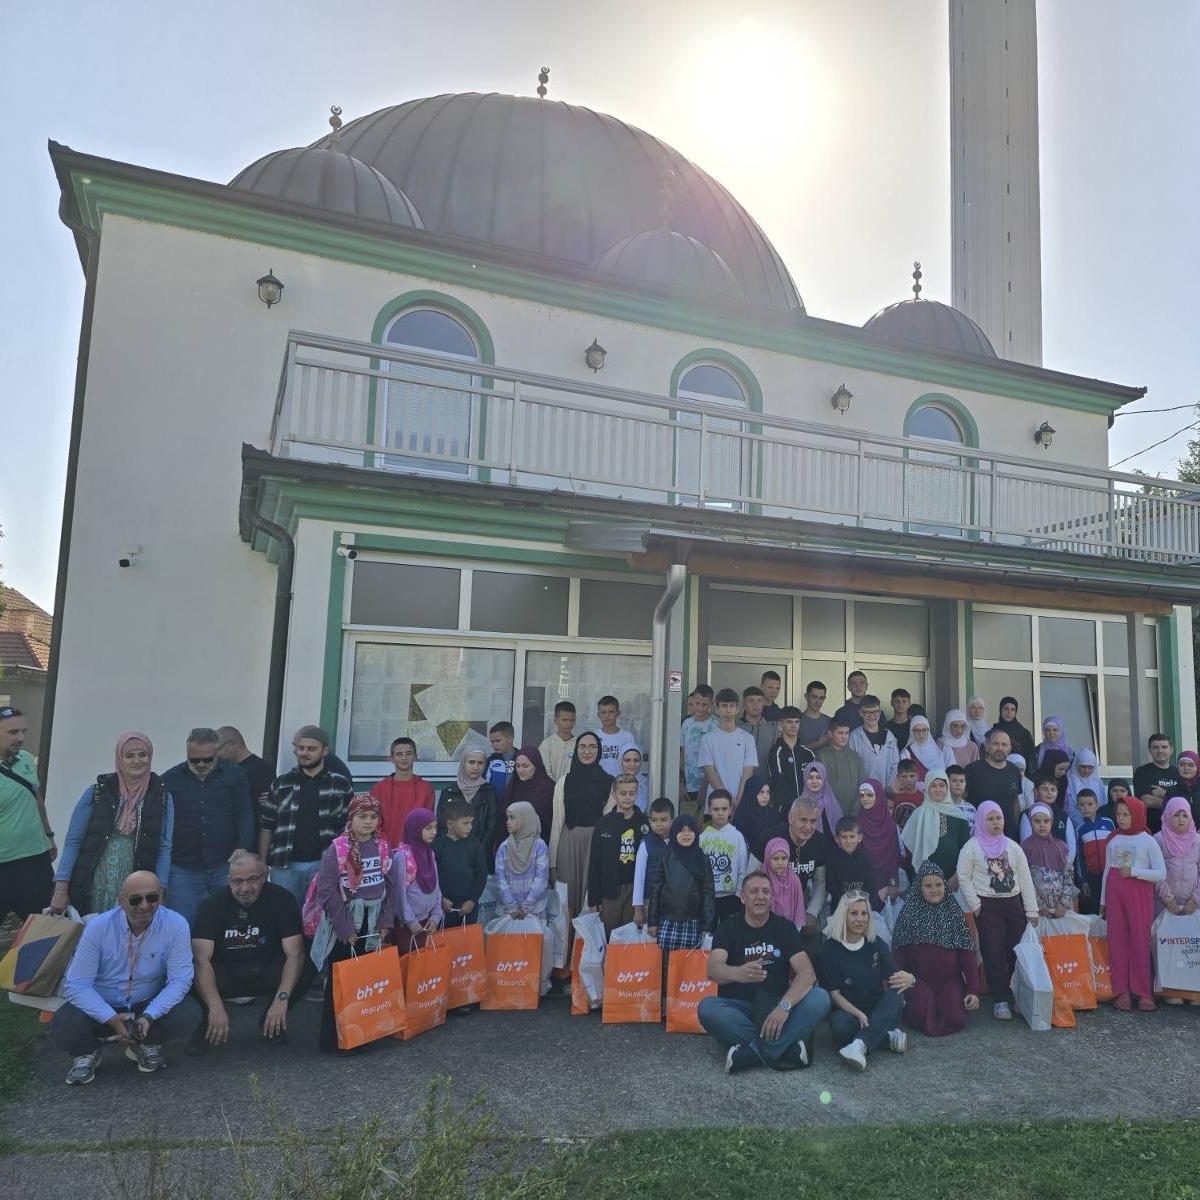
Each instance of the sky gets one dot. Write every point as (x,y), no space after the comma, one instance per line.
(828,120)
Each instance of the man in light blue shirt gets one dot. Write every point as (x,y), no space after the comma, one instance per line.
(128,982)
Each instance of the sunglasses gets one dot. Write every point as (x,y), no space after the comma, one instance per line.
(136,901)
(7,712)
(201,761)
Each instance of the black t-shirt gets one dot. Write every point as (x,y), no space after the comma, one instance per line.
(776,943)
(807,858)
(1002,787)
(850,713)
(1149,776)
(900,728)
(306,844)
(248,939)
(860,975)
(878,738)
(261,777)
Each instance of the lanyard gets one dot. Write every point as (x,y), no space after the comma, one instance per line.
(133,949)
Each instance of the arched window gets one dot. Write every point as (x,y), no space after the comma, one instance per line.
(933,421)
(938,495)
(427,414)
(726,457)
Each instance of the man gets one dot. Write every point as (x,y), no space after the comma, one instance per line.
(401,791)
(767,1003)
(26,840)
(856,685)
(557,749)
(728,756)
(259,774)
(875,744)
(213,817)
(903,710)
(247,940)
(1156,780)
(771,684)
(765,733)
(129,980)
(810,853)
(304,811)
(814,724)
(843,766)
(787,760)
(994,778)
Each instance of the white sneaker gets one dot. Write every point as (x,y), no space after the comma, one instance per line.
(897,1041)
(855,1054)
(1002,1012)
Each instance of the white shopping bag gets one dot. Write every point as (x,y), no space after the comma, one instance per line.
(488,901)
(1073,922)
(589,928)
(557,915)
(1031,983)
(1177,952)
(628,935)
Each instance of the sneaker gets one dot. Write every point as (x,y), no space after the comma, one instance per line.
(794,1058)
(83,1069)
(1145,1004)
(740,1058)
(1002,1012)
(897,1041)
(1123,1003)
(855,1054)
(1174,1000)
(149,1058)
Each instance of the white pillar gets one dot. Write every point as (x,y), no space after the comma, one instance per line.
(1138,708)
(1185,670)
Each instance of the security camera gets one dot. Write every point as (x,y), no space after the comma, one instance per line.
(129,558)
(348,552)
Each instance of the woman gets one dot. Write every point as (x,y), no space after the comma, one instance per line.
(530,783)
(816,785)
(1054,737)
(937,830)
(472,786)
(580,798)
(1018,735)
(926,754)
(1050,864)
(956,741)
(977,719)
(1055,763)
(1187,767)
(931,939)
(124,822)
(757,817)
(880,838)
(1082,773)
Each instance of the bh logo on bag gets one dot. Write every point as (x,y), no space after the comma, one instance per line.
(428,985)
(457,964)
(690,986)
(632,976)
(372,989)
(513,964)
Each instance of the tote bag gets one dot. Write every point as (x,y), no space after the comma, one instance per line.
(514,963)
(633,984)
(368,997)
(468,965)
(687,984)
(426,988)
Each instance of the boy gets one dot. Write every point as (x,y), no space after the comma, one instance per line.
(500,763)
(958,791)
(903,710)
(771,685)
(461,865)
(615,844)
(654,846)
(558,748)
(856,685)
(843,766)
(727,753)
(814,724)
(697,723)
(1093,834)
(875,743)
(727,855)
(401,791)
(905,794)
(763,732)
(787,760)
(614,740)
(847,867)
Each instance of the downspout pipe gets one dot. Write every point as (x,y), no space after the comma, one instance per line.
(676,579)
(285,571)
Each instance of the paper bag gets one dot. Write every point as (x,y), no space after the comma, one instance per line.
(1101,972)
(468,965)
(633,983)
(687,984)
(368,997)
(514,963)
(426,987)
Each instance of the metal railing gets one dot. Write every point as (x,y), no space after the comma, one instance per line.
(387,408)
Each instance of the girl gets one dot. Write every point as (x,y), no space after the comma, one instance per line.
(1054,765)
(937,829)
(926,754)
(1133,863)
(994,879)
(523,875)
(757,817)
(880,838)
(1081,774)
(1118,789)
(931,940)
(787,892)
(422,896)
(529,783)
(1187,767)
(857,971)
(580,798)
(1050,864)
(1179,893)
(360,888)
(956,741)
(977,719)
(473,787)
(1018,735)
(816,784)
(680,898)
(1054,737)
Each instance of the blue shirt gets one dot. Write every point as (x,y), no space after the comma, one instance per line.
(78,827)
(98,979)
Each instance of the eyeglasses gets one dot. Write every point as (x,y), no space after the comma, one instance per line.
(137,900)
(197,762)
(8,711)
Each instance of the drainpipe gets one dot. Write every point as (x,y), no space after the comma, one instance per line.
(676,578)
(273,714)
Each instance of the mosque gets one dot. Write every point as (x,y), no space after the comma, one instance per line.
(481,401)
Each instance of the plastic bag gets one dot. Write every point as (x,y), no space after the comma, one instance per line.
(591,947)
(1032,986)
(486,908)
(629,935)
(558,914)
(1177,952)
(885,919)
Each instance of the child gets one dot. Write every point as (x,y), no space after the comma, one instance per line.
(1179,893)
(360,888)
(1050,863)
(1118,789)
(757,817)
(787,760)
(613,854)
(1092,835)
(728,755)
(957,777)
(614,740)
(650,854)
(557,749)
(680,904)
(461,865)
(698,722)
(403,790)
(523,875)
(500,762)
(848,869)
(880,841)
(856,969)
(1133,864)
(906,795)
(727,854)
(471,786)
(422,896)
(1048,793)
(787,892)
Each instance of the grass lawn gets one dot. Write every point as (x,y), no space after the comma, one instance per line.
(19,1030)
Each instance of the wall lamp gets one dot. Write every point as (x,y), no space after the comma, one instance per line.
(270,290)
(841,398)
(595,355)
(1043,435)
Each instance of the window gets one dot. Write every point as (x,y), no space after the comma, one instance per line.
(726,455)
(939,492)
(553,675)
(508,602)
(616,610)
(749,618)
(404,595)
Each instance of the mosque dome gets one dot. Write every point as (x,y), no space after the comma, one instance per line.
(930,323)
(561,180)
(665,258)
(329,179)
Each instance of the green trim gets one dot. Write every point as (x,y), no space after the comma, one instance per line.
(103,188)
(956,408)
(969,645)
(331,674)
(1169,714)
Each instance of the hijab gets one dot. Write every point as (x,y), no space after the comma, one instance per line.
(1192,757)
(354,863)
(1137,810)
(1076,782)
(1108,796)
(1046,769)
(920,923)
(521,847)
(422,854)
(132,794)
(950,742)
(787,892)
(468,787)
(923,830)
(692,857)
(1045,851)
(835,927)
(756,822)
(980,727)
(1060,744)
(1177,845)
(992,847)
(880,834)
(828,801)
(928,753)
(1021,738)
(586,787)
(538,790)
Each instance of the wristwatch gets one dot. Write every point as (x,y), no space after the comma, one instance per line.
(784,1005)
(282,995)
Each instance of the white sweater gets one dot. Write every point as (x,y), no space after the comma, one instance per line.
(975,880)
(1145,858)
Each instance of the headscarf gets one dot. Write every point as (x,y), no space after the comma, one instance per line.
(928,753)
(923,924)
(992,847)
(835,927)
(1018,761)
(980,727)
(422,855)
(923,830)
(1061,743)
(1177,845)
(521,847)
(1045,851)
(1076,782)
(756,822)
(950,742)
(829,802)
(1112,783)
(1137,811)
(468,787)
(881,841)
(586,787)
(1194,758)
(1046,768)
(692,857)
(354,864)
(132,794)
(787,892)
(1021,738)
(538,790)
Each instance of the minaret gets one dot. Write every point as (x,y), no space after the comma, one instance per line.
(995,224)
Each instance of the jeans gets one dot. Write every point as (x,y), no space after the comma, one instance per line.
(188,886)
(732,1023)
(885,1016)
(296,878)
(75,1032)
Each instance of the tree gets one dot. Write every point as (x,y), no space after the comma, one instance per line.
(1189,472)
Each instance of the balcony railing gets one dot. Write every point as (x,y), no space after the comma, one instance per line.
(359,404)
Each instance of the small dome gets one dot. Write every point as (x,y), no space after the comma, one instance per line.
(931,323)
(330,180)
(668,259)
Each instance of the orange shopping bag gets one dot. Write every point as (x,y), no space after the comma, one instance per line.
(514,962)
(687,984)
(468,965)
(1063,1015)
(368,997)
(1070,969)
(633,984)
(581,1005)
(1101,974)
(426,988)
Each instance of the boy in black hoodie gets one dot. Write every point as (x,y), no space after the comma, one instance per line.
(847,868)
(461,865)
(615,844)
